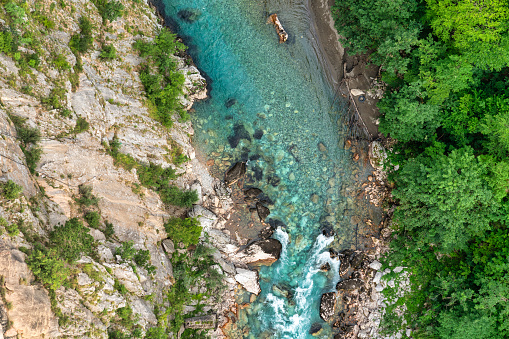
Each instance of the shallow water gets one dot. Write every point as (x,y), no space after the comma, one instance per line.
(276,97)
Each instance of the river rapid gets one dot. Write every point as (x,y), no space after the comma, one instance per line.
(272,105)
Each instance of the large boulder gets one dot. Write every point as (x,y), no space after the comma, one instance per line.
(205,217)
(263,212)
(249,280)
(263,252)
(327,305)
(350,284)
(235,173)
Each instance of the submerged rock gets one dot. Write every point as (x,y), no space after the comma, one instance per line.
(327,305)
(252,192)
(249,280)
(327,229)
(258,134)
(263,252)
(315,329)
(239,133)
(263,212)
(235,173)
(230,102)
(325,267)
(189,15)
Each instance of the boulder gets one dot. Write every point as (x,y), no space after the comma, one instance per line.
(230,102)
(333,253)
(235,173)
(263,212)
(344,265)
(327,305)
(350,284)
(316,329)
(263,252)
(206,217)
(239,132)
(327,229)
(357,259)
(325,267)
(189,15)
(168,247)
(252,192)
(248,279)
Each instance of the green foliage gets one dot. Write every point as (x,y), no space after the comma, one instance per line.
(72,240)
(82,41)
(109,10)
(16,13)
(120,287)
(109,230)
(108,53)
(11,190)
(12,230)
(140,257)
(82,125)
(86,197)
(56,98)
(186,230)
(60,62)
(156,333)
(174,196)
(164,86)
(93,219)
(47,266)
(154,177)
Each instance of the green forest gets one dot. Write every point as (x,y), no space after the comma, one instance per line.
(445,63)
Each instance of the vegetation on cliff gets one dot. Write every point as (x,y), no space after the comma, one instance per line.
(447,103)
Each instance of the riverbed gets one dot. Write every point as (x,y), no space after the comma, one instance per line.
(276,107)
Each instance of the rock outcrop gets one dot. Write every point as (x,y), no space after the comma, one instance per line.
(263,252)
(327,305)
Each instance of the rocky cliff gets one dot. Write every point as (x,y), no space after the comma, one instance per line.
(79,133)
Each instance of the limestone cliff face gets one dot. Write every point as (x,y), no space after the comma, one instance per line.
(111,98)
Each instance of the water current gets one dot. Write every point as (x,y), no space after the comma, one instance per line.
(271,103)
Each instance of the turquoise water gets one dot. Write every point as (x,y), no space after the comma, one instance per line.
(278,93)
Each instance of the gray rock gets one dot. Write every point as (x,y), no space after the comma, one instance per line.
(169,247)
(263,252)
(376,265)
(327,305)
(206,217)
(350,284)
(235,173)
(249,280)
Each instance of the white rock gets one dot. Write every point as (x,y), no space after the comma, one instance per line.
(356,92)
(205,217)
(398,269)
(377,277)
(391,283)
(248,279)
(379,288)
(376,265)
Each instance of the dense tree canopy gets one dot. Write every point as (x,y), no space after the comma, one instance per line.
(445,63)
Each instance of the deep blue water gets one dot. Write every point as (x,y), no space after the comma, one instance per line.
(278,90)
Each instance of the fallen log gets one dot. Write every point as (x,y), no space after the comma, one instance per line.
(283,36)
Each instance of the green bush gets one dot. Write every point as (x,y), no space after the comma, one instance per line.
(72,240)
(93,219)
(108,53)
(60,62)
(118,286)
(11,190)
(109,231)
(109,10)
(47,267)
(56,98)
(174,196)
(140,257)
(82,41)
(12,230)
(81,126)
(86,197)
(186,230)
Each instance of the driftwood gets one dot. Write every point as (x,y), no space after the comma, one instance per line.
(283,36)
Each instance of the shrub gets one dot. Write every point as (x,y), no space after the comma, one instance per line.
(93,218)
(56,98)
(82,41)
(108,52)
(12,230)
(29,138)
(71,240)
(11,190)
(61,63)
(86,198)
(82,125)
(108,229)
(120,287)
(174,196)
(186,230)
(109,10)
(140,257)
(47,267)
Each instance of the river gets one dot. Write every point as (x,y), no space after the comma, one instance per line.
(271,104)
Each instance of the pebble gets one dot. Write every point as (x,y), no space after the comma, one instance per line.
(322,147)
(291,177)
(314,198)
(398,269)
(262,115)
(332,182)
(370,178)
(210,162)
